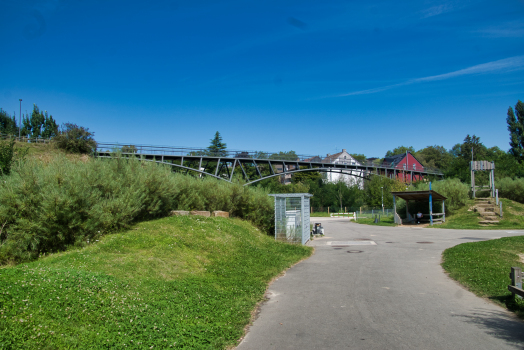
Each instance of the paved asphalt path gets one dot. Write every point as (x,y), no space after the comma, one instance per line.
(392,295)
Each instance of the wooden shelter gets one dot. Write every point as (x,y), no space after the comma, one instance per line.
(420,196)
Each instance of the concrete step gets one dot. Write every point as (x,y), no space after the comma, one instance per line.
(484,205)
(482,210)
(485,222)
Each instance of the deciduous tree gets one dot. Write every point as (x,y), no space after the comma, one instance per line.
(400,150)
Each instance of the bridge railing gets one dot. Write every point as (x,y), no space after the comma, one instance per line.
(260,155)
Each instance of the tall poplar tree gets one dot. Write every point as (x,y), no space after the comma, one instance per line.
(39,124)
(515,122)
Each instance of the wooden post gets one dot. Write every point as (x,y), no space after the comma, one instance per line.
(516,278)
(472,180)
(444,211)
(328,210)
(394,210)
(407,209)
(430,206)
(493,181)
(490,185)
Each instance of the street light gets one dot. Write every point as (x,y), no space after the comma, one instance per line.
(382,188)
(20,121)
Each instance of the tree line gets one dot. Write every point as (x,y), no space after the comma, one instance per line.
(453,163)
(37,124)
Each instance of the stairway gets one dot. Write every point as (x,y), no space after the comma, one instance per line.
(488,211)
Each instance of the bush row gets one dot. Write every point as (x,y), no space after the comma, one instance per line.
(511,188)
(49,207)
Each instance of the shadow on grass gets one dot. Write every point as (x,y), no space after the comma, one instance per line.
(513,303)
(498,324)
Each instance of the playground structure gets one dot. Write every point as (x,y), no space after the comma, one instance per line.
(482,165)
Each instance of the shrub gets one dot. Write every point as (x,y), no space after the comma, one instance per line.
(128,149)
(47,208)
(75,139)
(511,188)
(10,154)
(7,154)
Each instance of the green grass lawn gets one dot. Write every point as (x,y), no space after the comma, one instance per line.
(320,215)
(384,221)
(484,267)
(177,282)
(513,217)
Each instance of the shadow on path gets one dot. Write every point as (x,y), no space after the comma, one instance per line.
(498,324)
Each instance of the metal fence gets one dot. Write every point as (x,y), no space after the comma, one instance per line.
(292,217)
(370,214)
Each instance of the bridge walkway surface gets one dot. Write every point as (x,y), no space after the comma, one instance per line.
(392,295)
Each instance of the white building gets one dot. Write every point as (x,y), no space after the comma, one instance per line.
(349,176)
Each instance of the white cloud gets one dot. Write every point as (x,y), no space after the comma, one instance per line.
(505,64)
(436,10)
(508,30)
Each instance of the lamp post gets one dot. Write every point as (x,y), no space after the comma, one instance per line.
(382,189)
(20,121)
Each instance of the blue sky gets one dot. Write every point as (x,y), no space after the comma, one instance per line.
(308,76)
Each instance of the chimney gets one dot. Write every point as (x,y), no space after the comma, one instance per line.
(343,150)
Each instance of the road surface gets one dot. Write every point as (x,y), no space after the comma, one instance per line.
(386,290)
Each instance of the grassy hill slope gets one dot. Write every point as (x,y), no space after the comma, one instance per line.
(180,282)
(513,217)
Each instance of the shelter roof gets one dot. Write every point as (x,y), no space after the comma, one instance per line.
(419,196)
(291,195)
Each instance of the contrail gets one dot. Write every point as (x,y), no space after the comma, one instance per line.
(500,65)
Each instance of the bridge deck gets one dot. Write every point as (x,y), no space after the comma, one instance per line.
(257,169)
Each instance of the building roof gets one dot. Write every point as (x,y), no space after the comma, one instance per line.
(315,159)
(394,160)
(419,196)
(330,158)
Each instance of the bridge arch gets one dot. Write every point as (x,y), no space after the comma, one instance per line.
(249,182)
